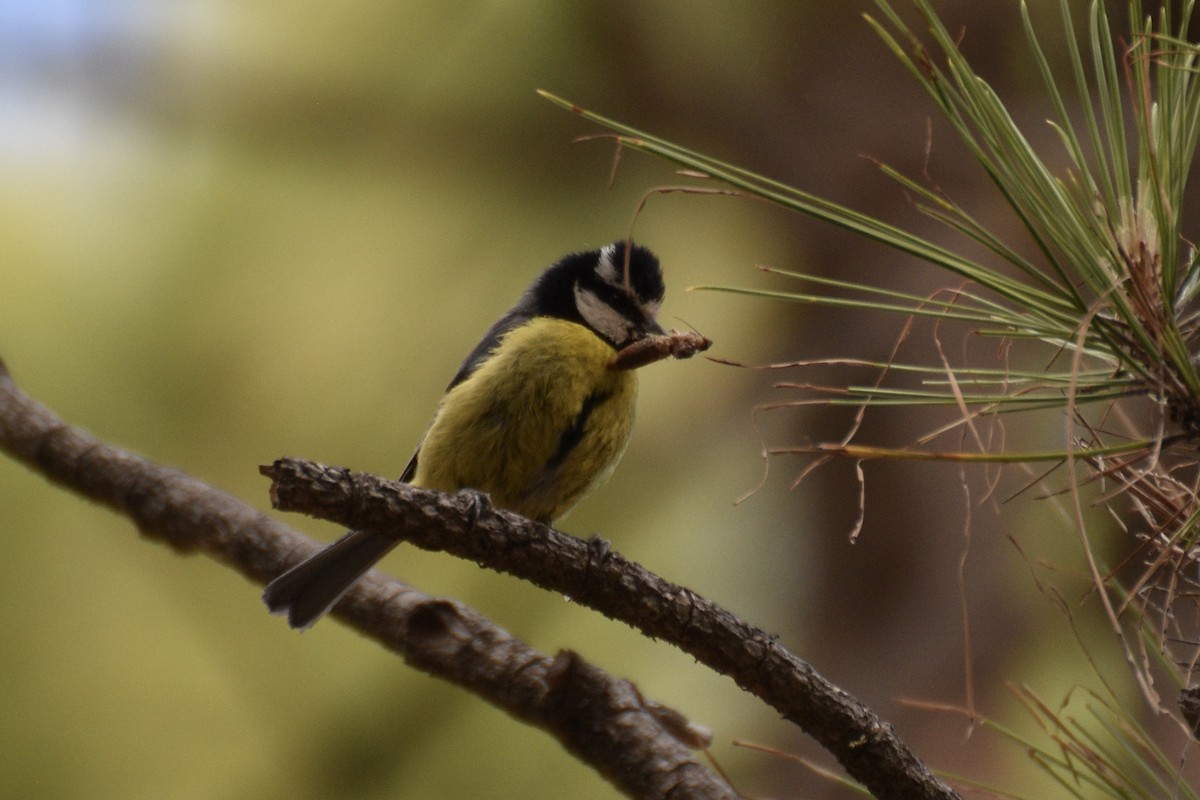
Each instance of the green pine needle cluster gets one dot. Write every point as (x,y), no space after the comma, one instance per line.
(1109,291)
(1112,292)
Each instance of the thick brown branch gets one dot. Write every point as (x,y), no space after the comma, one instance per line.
(603,721)
(591,575)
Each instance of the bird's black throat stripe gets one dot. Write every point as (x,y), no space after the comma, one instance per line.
(573,435)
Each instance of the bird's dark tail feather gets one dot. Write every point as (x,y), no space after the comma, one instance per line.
(309,589)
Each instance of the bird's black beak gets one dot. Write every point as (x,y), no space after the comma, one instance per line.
(651,328)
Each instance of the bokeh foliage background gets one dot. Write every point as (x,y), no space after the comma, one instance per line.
(233,231)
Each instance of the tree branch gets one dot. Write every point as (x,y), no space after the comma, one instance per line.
(466,526)
(640,747)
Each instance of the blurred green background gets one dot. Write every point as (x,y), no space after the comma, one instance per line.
(234,231)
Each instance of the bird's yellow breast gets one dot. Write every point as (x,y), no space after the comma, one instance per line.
(541,422)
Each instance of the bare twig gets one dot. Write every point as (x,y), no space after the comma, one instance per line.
(675,344)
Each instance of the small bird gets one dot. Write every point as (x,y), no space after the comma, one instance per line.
(536,416)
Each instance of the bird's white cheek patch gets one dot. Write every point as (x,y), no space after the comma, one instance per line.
(601,316)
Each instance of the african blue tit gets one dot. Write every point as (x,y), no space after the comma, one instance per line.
(535,417)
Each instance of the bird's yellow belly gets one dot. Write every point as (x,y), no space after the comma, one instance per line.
(537,425)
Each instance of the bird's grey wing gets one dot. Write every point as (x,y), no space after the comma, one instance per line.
(515,316)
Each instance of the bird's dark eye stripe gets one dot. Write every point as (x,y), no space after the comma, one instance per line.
(642,282)
(621,301)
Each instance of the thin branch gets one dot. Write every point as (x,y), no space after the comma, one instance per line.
(641,747)
(465,525)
